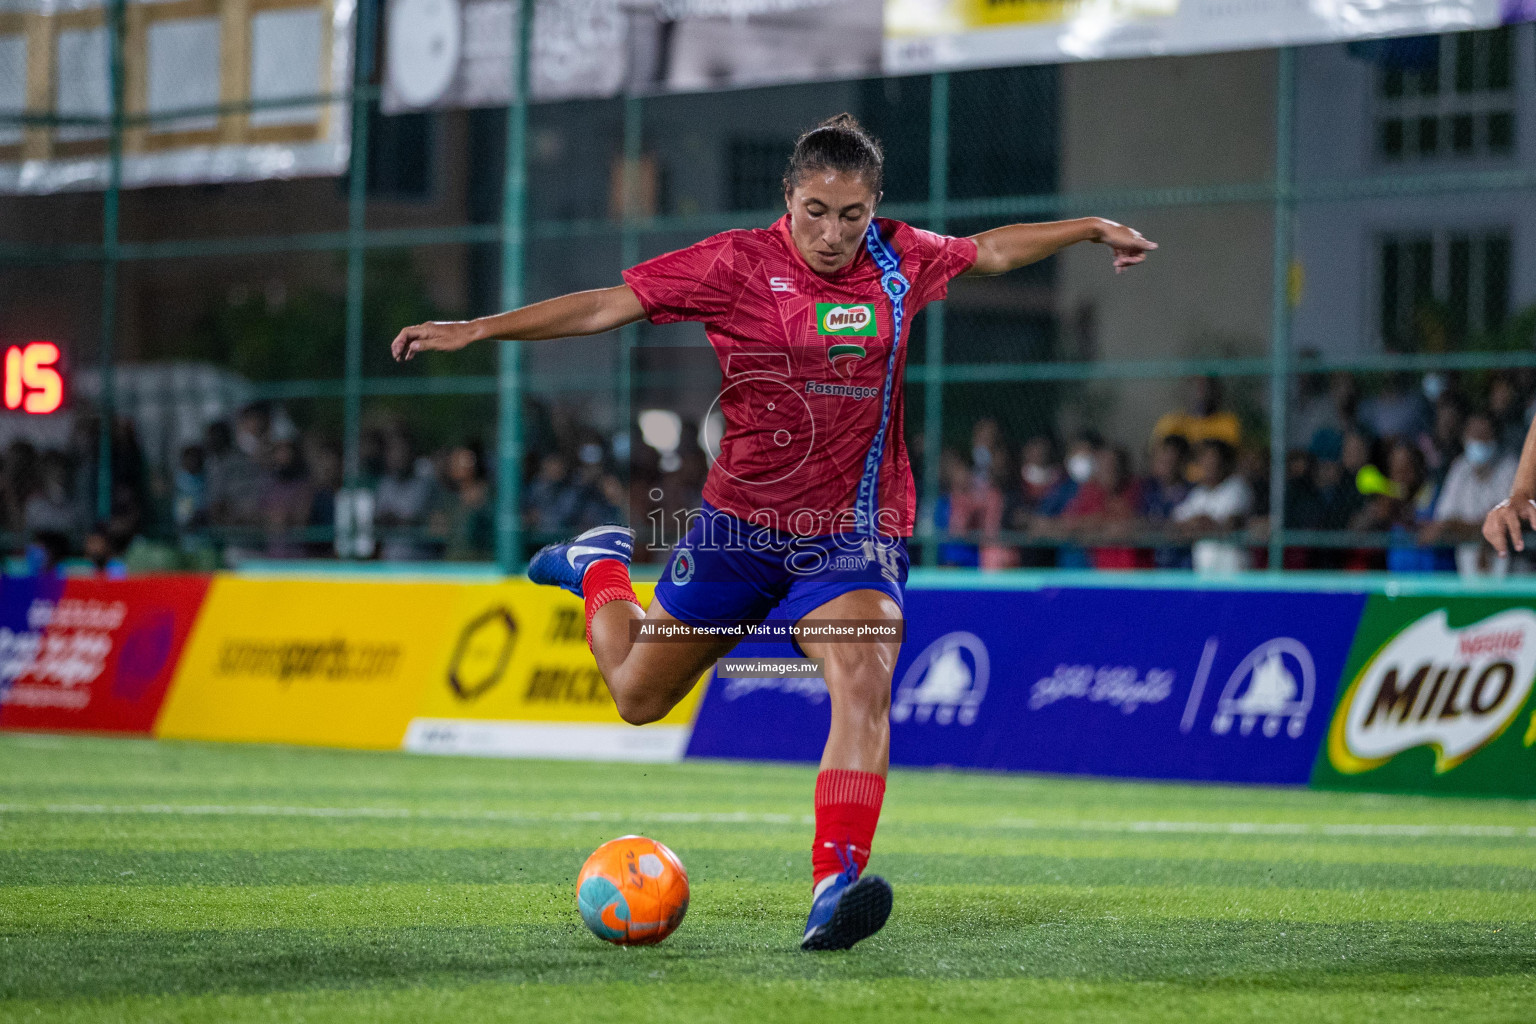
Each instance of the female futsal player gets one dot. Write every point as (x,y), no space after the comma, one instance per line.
(809,503)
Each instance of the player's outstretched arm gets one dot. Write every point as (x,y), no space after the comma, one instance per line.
(568,316)
(1018,245)
(1505,526)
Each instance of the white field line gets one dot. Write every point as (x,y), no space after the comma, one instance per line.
(279,811)
(1231,828)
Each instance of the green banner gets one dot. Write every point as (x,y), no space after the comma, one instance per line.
(1436,697)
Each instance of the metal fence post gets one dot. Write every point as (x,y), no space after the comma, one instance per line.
(933,363)
(514,241)
(357,224)
(110,255)
(629,255)
(1280,313)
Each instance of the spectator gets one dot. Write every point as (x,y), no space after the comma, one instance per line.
(1045,486)
(591,505)
(1478,480)
(1045,491)
(977,508)
(1442,442)
(46,554)
(1216,505)
(1324,411)
(549,499)
(955,481)
(1303,506)
(1107,506)
(466,518)
(1405,511)
(989,456)
(402,499)
(1161,492)
(1396,412)
(325,480)
(253,429)
(49,506)
(1203,419)
(17,484)
(285,501)
(233,479)
(104,548)
(1082,457)
(189,490)
(1507,412)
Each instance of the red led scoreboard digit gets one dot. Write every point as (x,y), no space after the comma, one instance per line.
(33,382)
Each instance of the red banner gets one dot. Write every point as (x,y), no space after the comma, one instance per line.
(92,654)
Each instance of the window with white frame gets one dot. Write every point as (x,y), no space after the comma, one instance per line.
(1457,102)
(1439,289)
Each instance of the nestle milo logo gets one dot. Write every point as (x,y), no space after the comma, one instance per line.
(1455,690)
(856,319)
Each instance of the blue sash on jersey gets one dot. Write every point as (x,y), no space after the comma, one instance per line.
(867,502)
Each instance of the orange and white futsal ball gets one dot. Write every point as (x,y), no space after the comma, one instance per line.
(632,891)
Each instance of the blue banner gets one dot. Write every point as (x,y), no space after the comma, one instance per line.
(1174,684)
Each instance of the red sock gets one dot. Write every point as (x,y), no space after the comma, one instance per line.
(606,580)
(847,810)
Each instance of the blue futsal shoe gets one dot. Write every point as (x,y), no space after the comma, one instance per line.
(847,909)
(564,565)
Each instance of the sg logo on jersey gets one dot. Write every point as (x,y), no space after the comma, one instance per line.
(856,319)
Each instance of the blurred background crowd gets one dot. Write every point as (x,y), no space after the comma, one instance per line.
(1396,478)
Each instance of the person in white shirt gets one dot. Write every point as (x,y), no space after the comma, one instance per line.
(1477,481)
(1216,505)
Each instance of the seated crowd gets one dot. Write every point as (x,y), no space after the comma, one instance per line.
(259,487)
(1398,481)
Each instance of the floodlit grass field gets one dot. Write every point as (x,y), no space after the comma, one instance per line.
(175,882)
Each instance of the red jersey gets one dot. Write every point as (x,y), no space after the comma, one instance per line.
(803,362)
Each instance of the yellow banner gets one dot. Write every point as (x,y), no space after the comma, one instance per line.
(518,652)
(351,663)
(309,661)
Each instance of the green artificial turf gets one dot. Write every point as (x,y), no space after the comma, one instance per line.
(144,881)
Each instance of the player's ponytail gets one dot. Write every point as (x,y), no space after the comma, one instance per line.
(838,144)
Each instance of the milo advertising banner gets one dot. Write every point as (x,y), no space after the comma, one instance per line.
(1436,697)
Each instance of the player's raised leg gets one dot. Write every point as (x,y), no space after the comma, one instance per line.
(647,680)
(848,905)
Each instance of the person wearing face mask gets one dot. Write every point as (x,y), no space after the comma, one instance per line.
(1477,481)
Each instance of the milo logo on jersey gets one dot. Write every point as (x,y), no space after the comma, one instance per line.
(1428,705)
(855,320)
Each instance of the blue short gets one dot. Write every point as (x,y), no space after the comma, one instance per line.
(726,571)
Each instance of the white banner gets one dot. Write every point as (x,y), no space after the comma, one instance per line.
(205,58)
(458,53)
(927,35)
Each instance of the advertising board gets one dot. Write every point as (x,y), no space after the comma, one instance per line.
(91,654)
(332,663)
(1175,684)
(1436,698)
(516,679)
